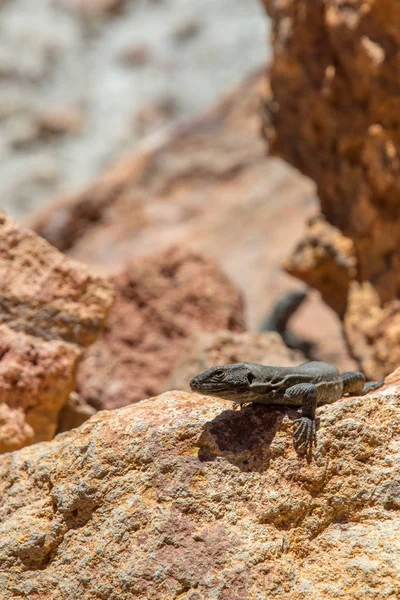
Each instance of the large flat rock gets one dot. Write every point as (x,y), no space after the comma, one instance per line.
(180,497)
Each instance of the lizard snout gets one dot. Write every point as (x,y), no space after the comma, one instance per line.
(194,384)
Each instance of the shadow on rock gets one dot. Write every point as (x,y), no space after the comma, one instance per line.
(244,437)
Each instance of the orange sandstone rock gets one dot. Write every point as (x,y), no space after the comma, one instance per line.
(42,293)
(332,111)
(36,377)
(50,307)
(161,300)
(179,497)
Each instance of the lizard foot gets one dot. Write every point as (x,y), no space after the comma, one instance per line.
(305,433)
(236,405)
(242,405)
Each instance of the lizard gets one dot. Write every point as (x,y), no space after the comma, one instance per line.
(307,385)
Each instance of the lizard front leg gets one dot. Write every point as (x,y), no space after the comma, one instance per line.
(305,432)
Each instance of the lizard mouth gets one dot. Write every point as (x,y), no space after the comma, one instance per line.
(197,386)
(220,390)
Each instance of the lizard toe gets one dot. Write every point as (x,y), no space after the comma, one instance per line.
(305,433)
(300,429)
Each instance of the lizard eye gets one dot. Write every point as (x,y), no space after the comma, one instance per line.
(250,377)
(220,374)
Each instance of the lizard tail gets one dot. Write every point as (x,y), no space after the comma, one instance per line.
(371,386)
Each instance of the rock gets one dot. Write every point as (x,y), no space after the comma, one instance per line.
(320,325)
(21,131)
(46,301)
(91,9)
(181,497)
(204,350)
(24,130)
(44,170)
(373,331)
(208,185)
(46,295)
(325,259)
(160,301)
(186,29)
(59,120)
(336,118)
(153,115)
(36,377)
(135,55)
(393,378)
(74,412)
(332,111)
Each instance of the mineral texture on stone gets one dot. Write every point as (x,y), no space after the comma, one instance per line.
(179,497)
(50,307)
(372,329)
(36,377)
(44,294)
(161,300)
(332,111)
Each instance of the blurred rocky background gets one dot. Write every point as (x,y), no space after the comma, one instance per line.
(83,80)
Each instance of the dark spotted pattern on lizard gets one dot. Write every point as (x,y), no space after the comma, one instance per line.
(307,385)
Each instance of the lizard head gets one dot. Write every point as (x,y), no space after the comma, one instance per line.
(231,382)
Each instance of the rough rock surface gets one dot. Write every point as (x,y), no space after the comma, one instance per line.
(204,350)
(42,293)
(324,258)
(36,377)
(333,112)
(46,302)
(373,330)
(208,185)
(161,300)
(181,497)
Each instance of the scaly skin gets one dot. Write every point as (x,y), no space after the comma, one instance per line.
(307,385)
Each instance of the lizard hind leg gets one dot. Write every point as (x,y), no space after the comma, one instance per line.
(353,383)
(305,433)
